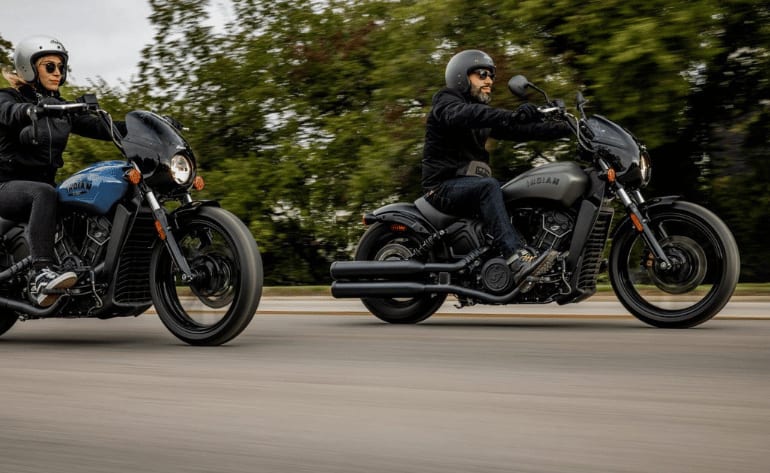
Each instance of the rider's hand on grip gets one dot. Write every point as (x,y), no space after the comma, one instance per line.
(90,100)
(45,111)
(527,113)
(34,111)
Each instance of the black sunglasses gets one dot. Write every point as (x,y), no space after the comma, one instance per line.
(52,66)
(484,73)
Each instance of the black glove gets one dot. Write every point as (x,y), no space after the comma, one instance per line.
(48,126)
(33,111)
(50,101)
(527,112)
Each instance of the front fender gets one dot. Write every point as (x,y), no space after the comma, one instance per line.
(626,224)
(190,208)
(403,213)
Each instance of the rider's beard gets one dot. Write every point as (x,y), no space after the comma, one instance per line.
(480,96)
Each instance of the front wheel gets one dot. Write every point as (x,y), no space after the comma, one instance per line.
(383,243)
(223,297)
(705,267)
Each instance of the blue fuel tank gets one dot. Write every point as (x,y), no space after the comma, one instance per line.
(96,188)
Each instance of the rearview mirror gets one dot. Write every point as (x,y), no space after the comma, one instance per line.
(579,99)
(518,86)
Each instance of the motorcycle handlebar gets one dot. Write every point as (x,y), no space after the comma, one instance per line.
(546,110)
(85,104)
(66,109)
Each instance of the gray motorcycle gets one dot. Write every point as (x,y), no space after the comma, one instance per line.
(671,263)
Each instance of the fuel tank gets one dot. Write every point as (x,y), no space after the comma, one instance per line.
(563,182)
(96,188)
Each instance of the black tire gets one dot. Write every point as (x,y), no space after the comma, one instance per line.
(381,243)
(220,303)
(7,321)
(15,244)
(707,267)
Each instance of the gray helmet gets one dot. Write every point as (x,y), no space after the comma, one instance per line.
(30,49)
(462,63)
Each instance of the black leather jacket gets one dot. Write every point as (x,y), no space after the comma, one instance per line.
(22,160)
(458,128)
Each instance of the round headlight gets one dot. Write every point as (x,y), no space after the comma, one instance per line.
(645,166)
(181,169)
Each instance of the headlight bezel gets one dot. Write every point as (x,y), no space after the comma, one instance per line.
(181,169)
(645,166)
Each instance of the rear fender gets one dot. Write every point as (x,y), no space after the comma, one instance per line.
(401,213)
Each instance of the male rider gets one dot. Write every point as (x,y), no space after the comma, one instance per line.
(456,177)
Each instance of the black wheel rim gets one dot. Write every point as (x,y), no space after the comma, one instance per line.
(204,305)
(395,247)
(698,258)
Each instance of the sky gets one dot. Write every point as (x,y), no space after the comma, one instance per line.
(104,38)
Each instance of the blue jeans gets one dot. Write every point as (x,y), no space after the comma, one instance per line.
(478,197)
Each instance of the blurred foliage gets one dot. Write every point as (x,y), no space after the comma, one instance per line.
(304,114)
(6,53)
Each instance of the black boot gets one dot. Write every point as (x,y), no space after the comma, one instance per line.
(526,262)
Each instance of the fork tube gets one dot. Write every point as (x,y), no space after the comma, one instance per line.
(641,226)
(168,237)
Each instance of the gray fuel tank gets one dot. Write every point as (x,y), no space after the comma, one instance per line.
(563,182)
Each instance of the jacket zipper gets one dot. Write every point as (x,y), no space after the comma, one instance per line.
(48,125)
(50,141)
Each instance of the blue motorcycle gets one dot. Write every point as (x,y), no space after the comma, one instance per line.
(136,238)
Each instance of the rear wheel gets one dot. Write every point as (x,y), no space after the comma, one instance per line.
(16,246)
(383,243)
(222,299)
(704,273)
(6,321)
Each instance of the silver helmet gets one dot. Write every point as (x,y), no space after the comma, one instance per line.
(462,63)
(30,49)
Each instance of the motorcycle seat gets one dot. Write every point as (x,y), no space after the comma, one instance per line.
(436,217)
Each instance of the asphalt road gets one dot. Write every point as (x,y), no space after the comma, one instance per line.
(306,390)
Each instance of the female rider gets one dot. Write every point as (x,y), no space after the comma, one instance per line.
(29,160)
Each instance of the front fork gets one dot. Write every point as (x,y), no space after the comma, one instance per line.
(631,202)
(167,236)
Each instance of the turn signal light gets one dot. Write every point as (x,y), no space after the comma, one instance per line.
(198,183)
(159,229)
(611,175)
(134,176)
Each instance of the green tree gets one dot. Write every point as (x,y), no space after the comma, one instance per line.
(6,52)
(305,114)
(731,125)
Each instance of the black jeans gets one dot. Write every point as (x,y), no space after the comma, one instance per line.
(34,203)
(473,197)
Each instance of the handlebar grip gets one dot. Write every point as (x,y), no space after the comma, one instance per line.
(66,108)
(49,109)
(548,110)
